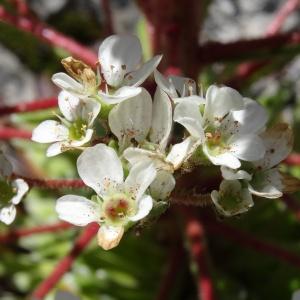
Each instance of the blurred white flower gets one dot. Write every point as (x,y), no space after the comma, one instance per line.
(121,201)
(233,198)
(120,58)
(11,192)
(74,129)
(228,130)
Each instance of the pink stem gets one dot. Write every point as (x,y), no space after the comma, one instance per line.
(108,25)
(49,35)
(196,235)
(7,133)
(293,159)
(65,264)
(19,233)
(29,106)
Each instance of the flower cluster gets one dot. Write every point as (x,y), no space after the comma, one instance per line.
(135,172)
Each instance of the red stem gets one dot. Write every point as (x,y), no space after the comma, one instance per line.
(65,264)
(49,35)
(29,106)
(293,159)
(7,133)
(53,183)
(108,25)
(247,240)
(196,235)
(19,233)
(216,51)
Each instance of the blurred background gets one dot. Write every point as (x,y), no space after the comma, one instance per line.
(154,263)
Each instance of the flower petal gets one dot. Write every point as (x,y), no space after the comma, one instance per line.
(119,55)
(165,84)
(232,174)
(131,119)
(194,98)
(109,236)
(188,114)
(84,140)
(136,78)
(220,101)
(6,167)
(22,188)
(90,109)
(68,84)
(182,151)
(161,119)
(77,210)
(248,147)
(69,105)
(163,185)
(123,93)
(139,178)
(184,86)
(99,167)
(50,131)
(267,184)
(56,148)
(8,214)
(144,206)
(278,141)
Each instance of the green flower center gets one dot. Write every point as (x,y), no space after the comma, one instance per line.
(77,129)
(7,193)
(118,208)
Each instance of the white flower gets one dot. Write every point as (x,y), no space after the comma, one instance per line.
(178,88)
(232,198)
(121,201)
(136,119)
(229,127)
(263,176)
(120,59)
(82,82)
(74,130)
(11,192)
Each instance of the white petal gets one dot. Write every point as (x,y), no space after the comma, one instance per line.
(231,174)
(278,141)
(161,119)
(196,99)
(144,206)
(184,85)
(84,140)
(22,188)
(68,84)
(163,185)
(6,167)
(268,184)
(188,114)
(225,159)
(56,148)
(119,55)
(123,93)
(136,78)
(8,214)
(90,110)
(165,84)
(131,119)
(137,155)
(69,105)
(139,178)
(77,210)
(220,101)
(99,167)
(252,118)
(109,236)
(50,131)
(247,147)
(181,151)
